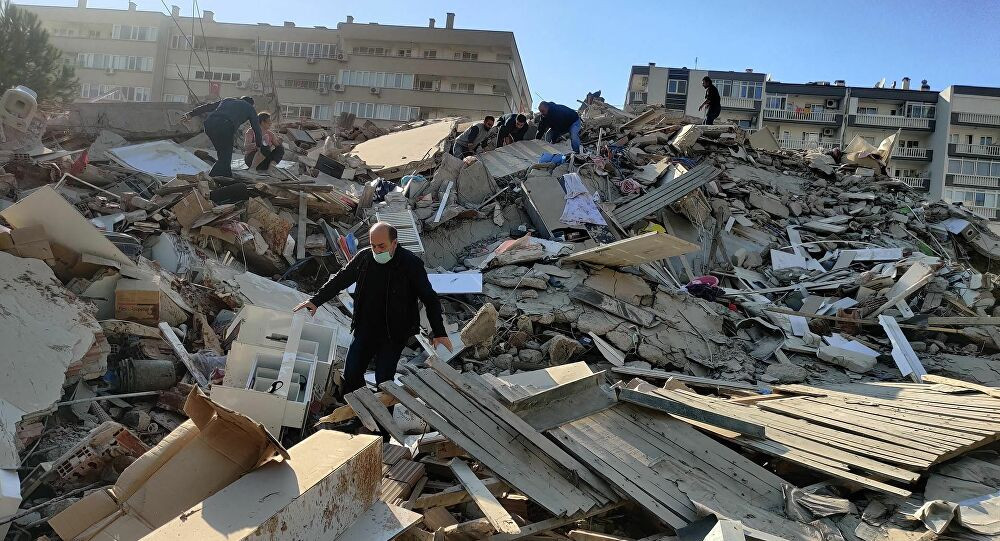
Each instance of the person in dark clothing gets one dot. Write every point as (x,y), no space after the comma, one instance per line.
(712,100)
(224,118)
(467,143)
(558,120)
(512,129)
(273,150)
(389,281)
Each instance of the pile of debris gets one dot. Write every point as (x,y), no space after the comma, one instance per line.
(685,332)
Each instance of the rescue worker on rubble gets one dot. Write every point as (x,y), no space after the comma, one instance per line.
(712,100)
(512,128)
(467,143)
(224,118)
(389,281)
(557,121)
(273,151)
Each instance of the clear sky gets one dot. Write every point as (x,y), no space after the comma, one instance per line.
(570,48)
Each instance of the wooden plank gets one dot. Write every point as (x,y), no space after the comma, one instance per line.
(523,429)
(558,392)
(904,356)
(380,412)
(487,503)
(645,248)
(362,412)
(991,391)
(300,236)
(694,381)
(438,517)
(456,495)
(344,413)
(669,403)
(182,354)
(553,523)
(912,280)
(614,306)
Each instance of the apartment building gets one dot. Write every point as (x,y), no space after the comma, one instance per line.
(382,73)
(949,141)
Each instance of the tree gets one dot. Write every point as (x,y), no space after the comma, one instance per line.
(27,58)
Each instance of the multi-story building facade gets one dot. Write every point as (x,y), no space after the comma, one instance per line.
(381,73)
(949,142)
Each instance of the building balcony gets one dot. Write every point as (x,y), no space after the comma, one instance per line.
(989,213)
(803,116)
(638,97)
(891,121)
(976,119)
(806,144)
(957,179)
(974,151)
(913,153)
(918,183)
(740,104)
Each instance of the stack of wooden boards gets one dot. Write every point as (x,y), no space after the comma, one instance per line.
(880,435)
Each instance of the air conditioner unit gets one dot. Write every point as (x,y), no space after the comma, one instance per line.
(310,60)
(374,90)
(337,87)
(832,104)
(341,57)
(828,131)
(241,84)
(258,86)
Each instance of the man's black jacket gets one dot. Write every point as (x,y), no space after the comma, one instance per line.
(404,280)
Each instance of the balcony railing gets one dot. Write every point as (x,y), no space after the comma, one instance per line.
(912,152)
(989,213)
(893,121)
(737,103)
(980,119)
(974,180)
(805,144)
(806,116)
(916,182)
(992,151)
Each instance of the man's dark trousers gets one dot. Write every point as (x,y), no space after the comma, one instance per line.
(363,349)
(222,133)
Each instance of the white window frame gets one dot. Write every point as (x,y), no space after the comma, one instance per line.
(679,86)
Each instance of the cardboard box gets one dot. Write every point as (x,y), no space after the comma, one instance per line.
(330,481)
(138,300)
(31,242)
(191,207)
(202,456)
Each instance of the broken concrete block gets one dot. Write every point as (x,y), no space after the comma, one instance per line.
(786,373)
(561,349)
(531,356)
(600,323)
(855,361)
(514,276)
(768,204)
(481,327)
(622,285)
(821,162)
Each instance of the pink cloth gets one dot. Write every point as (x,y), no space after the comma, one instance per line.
(249,143)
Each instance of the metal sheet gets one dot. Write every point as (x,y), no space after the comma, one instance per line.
(160,158)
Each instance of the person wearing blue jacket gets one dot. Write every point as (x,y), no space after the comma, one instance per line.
(558,120)
(224,118)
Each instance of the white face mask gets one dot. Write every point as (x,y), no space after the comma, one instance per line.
(382,257)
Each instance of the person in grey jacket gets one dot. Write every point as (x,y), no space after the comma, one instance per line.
(224,118)
(466,144)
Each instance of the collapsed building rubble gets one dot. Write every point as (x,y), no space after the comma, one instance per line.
(683,332)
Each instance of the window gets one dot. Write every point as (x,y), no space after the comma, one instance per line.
(430,54)
(749,89)
(296,111)
(326,80)
(466,55)
(677,86)
(426,85)
(920,110)
(370,51)
(953,138)
(810,136)
(986,140)
(225,76)
(379,111)
(175,98)
(644,81)
(180,42)
(322,112)
(118,62)
(134,33)
(404,53)
(982,168)
(867,110)
(638,96)
(776,102)
(463,87)
(378,79)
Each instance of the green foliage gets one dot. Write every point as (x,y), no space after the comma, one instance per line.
(27,58)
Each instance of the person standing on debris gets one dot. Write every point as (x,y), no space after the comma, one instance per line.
(712,100)
(513,126)
(467,143)
(224,118)
(389,281)
(273,152)
(558,120)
